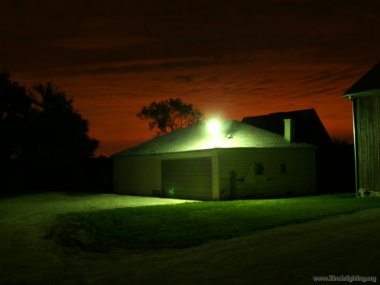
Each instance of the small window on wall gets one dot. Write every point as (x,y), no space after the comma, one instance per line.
(283,168)
(259,169)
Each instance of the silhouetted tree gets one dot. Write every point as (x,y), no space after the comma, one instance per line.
(44,142)
(41,124)
(58,134)
(168,115)
(15,107)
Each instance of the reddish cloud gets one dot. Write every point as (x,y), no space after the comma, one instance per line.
(236,59)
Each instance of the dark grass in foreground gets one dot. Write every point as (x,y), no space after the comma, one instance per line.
(190,224)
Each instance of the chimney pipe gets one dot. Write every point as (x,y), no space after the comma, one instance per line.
(289,130)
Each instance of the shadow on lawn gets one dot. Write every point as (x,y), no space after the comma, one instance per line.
(191,224)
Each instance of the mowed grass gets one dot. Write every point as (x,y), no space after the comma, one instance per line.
(191,224)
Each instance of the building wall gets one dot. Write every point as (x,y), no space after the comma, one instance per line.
(367,116)
(236,173)
(187,178)
(142,175)
(137,175)
(249,173)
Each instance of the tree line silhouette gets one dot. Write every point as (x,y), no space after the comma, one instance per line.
(44,141)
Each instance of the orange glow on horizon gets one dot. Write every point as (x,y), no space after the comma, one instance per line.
(110,101)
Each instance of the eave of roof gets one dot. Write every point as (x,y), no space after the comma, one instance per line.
(367,85)
(363,94)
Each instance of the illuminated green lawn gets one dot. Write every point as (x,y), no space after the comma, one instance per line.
(190,224)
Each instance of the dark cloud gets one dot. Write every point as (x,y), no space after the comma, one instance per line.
(186,78)
(331,76)
(137,66)
(320,76)
(70,33)
(240,57)
(257,90)
(197,90)
(318,92)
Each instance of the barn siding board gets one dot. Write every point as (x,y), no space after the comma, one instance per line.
(189,178)
(367,113)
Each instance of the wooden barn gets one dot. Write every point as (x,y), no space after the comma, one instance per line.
(365,97)
(232,160)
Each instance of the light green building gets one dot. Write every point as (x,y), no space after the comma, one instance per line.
(233,160)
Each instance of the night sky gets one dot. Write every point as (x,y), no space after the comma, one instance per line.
(227,58)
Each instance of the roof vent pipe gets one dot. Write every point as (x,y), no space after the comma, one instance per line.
(289,130)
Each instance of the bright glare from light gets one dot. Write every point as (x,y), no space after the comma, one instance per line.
(214,127)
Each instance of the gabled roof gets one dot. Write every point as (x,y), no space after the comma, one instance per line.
(366,85)
(308,128)
(234,134)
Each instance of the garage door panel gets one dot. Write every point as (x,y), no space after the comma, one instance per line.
(187,178)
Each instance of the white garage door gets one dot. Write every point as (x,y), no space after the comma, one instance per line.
(187,178)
